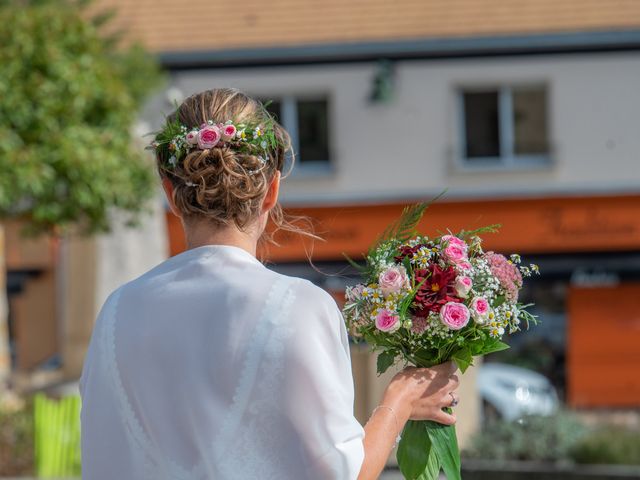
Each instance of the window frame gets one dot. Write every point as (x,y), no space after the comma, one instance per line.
(507,159)
(289,120)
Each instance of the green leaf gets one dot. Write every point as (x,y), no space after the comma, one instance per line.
(416,458)
(495,346)
(488,229)
(463,359)
(499,300)
(385,360)
(432,472)
(445,444)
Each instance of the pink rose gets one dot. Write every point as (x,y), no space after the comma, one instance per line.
(453,240)
(228,132)
(192,137)
(464,265)
(463,286)
(455,254)
(386,321)
(208,137)
(393,280)
(454,315)
(480,309)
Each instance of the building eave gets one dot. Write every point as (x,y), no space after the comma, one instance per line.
(417,49)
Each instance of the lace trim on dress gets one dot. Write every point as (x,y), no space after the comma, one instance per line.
(255,450)
(251,365)
(134,428)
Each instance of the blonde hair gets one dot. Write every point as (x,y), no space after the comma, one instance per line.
(221,185)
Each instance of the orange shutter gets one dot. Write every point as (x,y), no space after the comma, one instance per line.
(603,351)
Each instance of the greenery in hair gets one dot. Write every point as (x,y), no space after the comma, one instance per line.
(172,143)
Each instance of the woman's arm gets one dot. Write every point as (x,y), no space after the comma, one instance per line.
(414,393)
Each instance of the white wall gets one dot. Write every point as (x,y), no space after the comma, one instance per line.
(406,148)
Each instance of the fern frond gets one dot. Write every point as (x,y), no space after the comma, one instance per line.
(404,228)
(488,229)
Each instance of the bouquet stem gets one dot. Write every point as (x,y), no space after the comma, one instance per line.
(426,448)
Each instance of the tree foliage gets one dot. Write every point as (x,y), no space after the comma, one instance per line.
(70,95)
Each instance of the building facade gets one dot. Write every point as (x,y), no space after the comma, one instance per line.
(526,113)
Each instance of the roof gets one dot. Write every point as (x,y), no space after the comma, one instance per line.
(211,25)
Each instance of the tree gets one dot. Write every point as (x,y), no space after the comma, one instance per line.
(70,95)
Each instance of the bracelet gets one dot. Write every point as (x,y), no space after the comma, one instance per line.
(395,417)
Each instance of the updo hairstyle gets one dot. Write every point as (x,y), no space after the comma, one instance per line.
(219,184)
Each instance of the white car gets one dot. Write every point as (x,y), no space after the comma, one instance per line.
(511,393)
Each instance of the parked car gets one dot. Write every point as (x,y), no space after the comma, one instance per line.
(510,392)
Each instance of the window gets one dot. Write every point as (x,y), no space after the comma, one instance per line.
(307,121)
(505,127)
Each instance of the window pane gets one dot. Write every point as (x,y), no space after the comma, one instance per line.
(313,131)
(482,131)
(530,121)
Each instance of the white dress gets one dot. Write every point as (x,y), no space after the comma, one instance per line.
(211,366)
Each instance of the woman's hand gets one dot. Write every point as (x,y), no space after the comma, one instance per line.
(416,394)
(422,393)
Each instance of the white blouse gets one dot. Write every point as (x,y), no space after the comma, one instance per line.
(211,366)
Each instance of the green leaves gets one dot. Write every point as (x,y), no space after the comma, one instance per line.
(68,105)
(385,360)
(415,456)
(403,228)
(427,447)
(445,444)
(463,359)
(494,346)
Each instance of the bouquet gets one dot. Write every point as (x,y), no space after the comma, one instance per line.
(425,301)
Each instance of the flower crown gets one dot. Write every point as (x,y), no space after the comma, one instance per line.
(175,141)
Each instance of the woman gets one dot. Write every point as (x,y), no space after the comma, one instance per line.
(211,366)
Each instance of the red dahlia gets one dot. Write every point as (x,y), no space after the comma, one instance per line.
(437,289)
(408,251)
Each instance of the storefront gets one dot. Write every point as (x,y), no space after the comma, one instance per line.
(588,296)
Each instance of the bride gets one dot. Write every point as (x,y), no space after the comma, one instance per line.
(211,366)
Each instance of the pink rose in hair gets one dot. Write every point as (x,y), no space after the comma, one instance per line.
(480,310)
(455,254)
(393,280)
(192,137)
(463,286)
(386,321)
(208,137)
(454,315)
(228,132)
